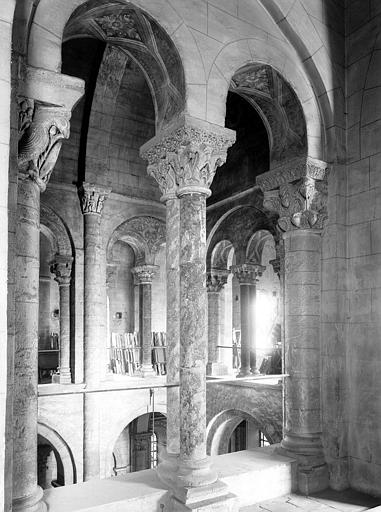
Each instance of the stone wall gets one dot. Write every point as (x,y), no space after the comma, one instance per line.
(361,305)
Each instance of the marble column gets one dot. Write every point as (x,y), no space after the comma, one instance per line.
(144,275)
(301,207)
(247,275)
(214,284)
(61,267)
(188,154)
(38,150)
(95,322)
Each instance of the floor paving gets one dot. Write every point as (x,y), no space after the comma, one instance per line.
(327,501)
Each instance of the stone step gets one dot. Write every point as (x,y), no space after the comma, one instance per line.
(256,475)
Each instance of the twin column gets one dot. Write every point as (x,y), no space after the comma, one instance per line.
(184,160)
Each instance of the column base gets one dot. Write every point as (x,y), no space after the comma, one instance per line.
(64,377)
(167,470)
(227,503)
(244,373)
(145,371)
(312,470)
(31,503)
(216,369)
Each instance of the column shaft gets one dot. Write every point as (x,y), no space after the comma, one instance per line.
(145,321)
(302,436)
(65,374)
(246,329)
(26,493)
(253,328)
(213,329)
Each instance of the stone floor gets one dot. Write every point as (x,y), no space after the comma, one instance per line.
(327,501)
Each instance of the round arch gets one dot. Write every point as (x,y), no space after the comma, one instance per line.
(117,428)
(222,426)
(256,244)
(145,234)
(56,231)
(281,57)
(61,450)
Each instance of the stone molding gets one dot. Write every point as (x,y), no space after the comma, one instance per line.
(293,170)
(247,273)
(184,158)
(144,273)
(61,266)
(93,198)
(41,141)
(216,280)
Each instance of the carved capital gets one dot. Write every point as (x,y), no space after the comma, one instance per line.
(26,111)
(216,280)
(184,158)
(61,267)
(41,141)
(247,273)
(144,273)
(93,198)
(300,205)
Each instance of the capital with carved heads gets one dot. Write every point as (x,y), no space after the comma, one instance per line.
(61,267)
(298,194)
(144,273)
(42,130)
(184,157)
(216,280)
(93,198)
(247,273)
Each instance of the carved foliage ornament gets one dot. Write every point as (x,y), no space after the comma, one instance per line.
(187,159)
(144,273)
(302,204)
(93,198)
(121,25)
(150,229)
(216,280)
(61,267)
(41,142)
(247,273)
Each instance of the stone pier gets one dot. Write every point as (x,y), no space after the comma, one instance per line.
(36,160)
(247,275)
(95,312)
(61,267)
(301,206)
(215,283)
(144,275)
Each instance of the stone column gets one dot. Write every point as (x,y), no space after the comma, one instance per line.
(160,169)
(144,275)
(214,284)
(38,150)
(301,206)
(193,150)
(61,267)
(95,311)
(247,275)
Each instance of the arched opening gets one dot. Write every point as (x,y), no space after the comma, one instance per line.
(140,444)
(236,430)
(49,311)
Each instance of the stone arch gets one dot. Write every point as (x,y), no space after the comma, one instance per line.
(51,16)
(119,425)
(54,224)
(222,426)
(62,452)
(219,255)
(238,225)
(238,54)
(145,234)
(256,244)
